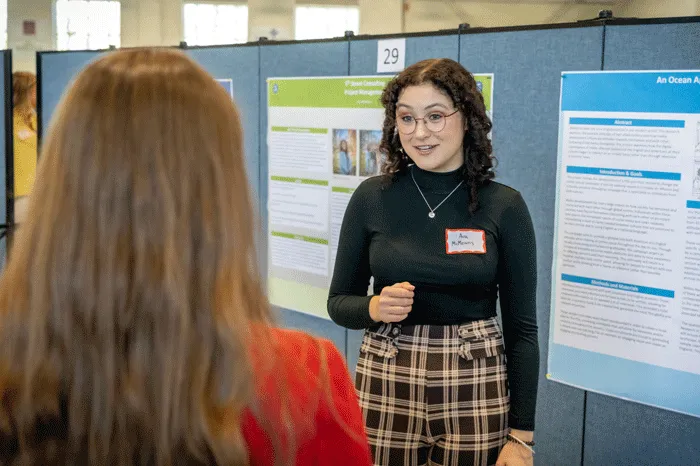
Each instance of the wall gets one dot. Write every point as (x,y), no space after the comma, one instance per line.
(151,22)
(159,22)
(381,17)
(658,8)
(431,15)
(23,47)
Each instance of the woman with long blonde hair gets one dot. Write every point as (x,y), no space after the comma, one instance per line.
(133,325)
(25,138)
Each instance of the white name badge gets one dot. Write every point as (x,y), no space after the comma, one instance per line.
(465,241)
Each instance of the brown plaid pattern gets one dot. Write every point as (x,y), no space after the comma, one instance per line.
(434,395)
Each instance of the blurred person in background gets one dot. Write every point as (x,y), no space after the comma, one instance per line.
(25,138)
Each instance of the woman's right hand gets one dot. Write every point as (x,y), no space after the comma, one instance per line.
(393,304)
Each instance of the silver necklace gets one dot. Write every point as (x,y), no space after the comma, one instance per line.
(431,214)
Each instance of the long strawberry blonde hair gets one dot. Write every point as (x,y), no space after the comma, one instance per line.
(132,297)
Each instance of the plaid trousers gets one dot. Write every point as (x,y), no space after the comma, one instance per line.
(434,395)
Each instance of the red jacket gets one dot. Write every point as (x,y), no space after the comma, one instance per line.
(338,437)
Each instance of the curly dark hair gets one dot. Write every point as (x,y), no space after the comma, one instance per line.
(459,85)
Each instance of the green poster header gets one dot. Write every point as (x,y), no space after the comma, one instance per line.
(307,239)
(293,129)
(343,92)
(340,189)
(287,179)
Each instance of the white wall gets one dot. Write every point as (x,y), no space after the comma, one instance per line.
(159,22)
(659,8)
(151,22)
(267,15)
(24,47)
(429,15)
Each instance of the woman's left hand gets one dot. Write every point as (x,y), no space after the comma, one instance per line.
(513,454)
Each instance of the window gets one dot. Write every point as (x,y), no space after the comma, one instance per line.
(313,22)
(88,24)
(3,23)
(215,24)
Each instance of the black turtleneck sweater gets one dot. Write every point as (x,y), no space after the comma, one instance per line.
(387,234)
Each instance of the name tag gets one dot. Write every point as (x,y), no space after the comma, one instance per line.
(465,241)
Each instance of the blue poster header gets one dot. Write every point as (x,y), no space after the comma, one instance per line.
(628,122)
(624,173)
(618,286)
(645,91)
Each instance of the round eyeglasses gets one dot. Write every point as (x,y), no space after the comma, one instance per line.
(434,122)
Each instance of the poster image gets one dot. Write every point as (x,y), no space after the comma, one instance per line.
(371,159)
(344,152)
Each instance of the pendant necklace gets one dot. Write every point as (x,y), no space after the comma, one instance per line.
(431,214)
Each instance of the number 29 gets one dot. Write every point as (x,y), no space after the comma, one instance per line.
(392,56)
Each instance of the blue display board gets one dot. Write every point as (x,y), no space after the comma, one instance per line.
(56,72)
(619,431)
(235,67)
(363,52)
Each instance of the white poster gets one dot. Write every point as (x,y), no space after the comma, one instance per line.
(626,283)
(323,141)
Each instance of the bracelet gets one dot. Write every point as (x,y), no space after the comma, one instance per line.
(527,445)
